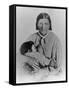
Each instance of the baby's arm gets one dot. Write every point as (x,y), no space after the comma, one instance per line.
(31,54)
(39,57)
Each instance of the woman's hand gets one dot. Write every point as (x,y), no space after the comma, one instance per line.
(43,60)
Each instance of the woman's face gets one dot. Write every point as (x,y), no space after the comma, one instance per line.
(43,25)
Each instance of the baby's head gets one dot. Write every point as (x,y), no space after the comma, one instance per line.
(27,47)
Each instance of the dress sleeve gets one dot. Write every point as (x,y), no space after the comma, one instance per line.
(56,55)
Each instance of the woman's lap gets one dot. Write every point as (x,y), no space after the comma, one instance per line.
(23,62)
(22,73)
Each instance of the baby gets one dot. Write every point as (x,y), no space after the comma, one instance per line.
(36,63)
(28,49)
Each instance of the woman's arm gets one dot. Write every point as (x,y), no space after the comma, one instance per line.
(39,57)
(56,59)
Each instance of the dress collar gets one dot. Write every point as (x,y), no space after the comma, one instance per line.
(42,36)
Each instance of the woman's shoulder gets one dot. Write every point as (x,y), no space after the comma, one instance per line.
(54,38)
(53,35)
(32,37)
(34,34)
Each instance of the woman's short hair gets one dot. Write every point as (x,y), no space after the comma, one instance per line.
(42,16)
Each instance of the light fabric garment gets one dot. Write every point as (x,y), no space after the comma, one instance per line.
(50,47)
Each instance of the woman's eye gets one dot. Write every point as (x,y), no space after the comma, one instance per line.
(40,23)
(46,23)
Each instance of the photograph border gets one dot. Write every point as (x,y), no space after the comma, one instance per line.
(14,46)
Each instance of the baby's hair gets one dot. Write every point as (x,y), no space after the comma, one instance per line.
(26,46)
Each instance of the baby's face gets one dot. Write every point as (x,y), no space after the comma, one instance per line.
(33,48)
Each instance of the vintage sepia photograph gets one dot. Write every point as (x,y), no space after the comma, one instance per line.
(40,44)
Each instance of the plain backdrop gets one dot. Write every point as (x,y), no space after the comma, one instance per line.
(4,44)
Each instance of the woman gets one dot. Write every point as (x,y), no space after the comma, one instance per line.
(47,43)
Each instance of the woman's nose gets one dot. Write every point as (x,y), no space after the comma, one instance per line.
(43,25)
